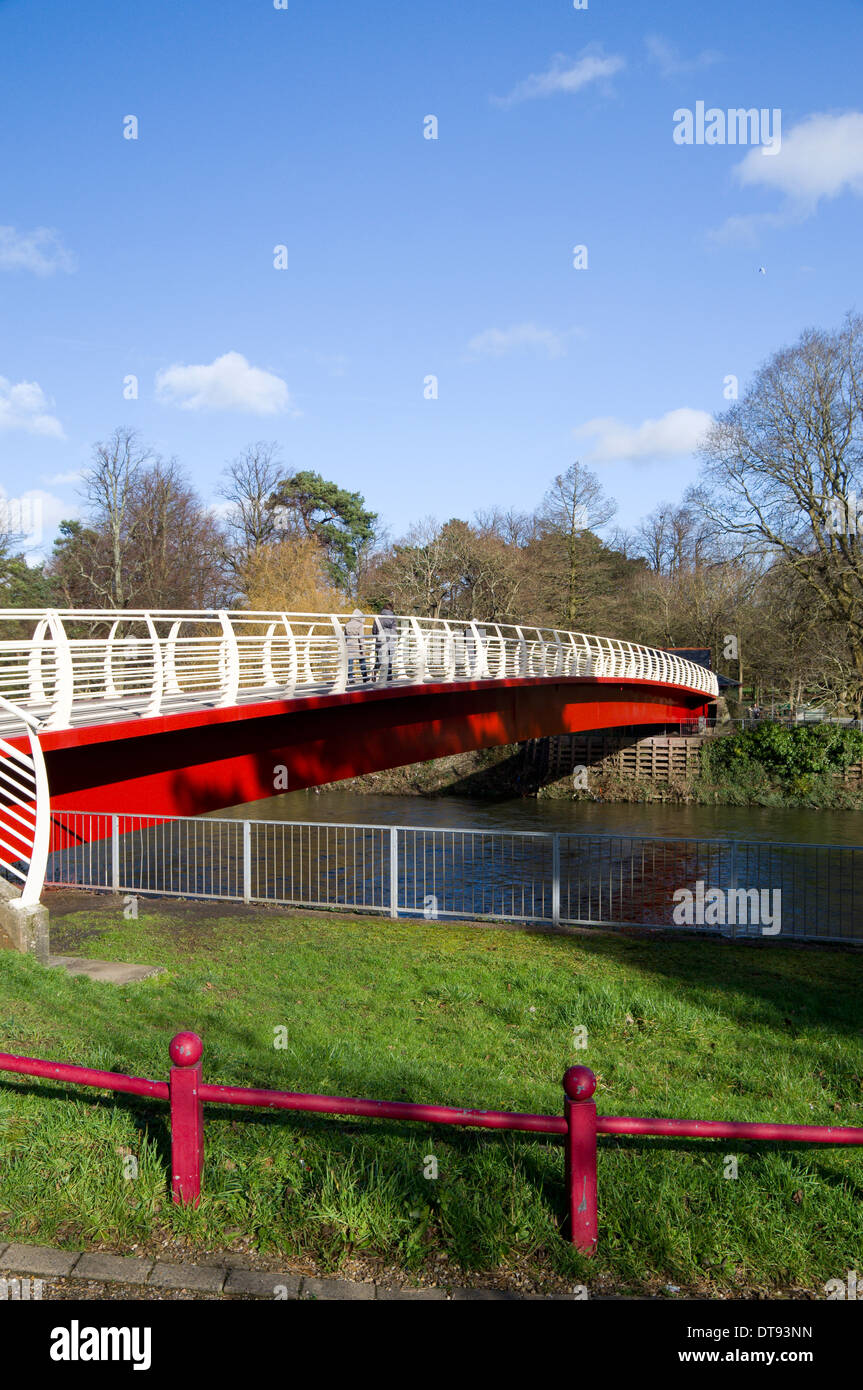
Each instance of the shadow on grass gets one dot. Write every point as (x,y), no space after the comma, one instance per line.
(792,987)
(780,980)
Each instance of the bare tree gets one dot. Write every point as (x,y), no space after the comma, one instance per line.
(674,538)
(109,486)
(251,521)
(177,552)
(783,466)
(651,538)
(453,570)
(513,527)
(575,503)
(416,574)
(146,541)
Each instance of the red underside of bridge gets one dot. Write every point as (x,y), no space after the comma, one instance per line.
(206,759)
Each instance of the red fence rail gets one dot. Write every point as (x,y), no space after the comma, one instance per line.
(579,1124)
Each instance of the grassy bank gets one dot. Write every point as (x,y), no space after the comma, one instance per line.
(450,1014)
(606,784)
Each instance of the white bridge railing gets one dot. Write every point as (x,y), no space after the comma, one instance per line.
(25,813)
(88,666)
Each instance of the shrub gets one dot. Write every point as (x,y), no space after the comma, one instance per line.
(782,753)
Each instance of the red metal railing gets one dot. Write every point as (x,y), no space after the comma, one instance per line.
(579,1124)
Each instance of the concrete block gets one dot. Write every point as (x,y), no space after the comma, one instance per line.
(487,1295)
(39,1259)
(263,1283)
(411,1295)
(336,1289)
(113,1269)
(200,1278)
(26,927)
(106,972)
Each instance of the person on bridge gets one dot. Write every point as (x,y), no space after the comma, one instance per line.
(354,632)
(386,628)
(468,650)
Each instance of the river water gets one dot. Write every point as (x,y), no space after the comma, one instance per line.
(740,870)
(592,863)
(572,817)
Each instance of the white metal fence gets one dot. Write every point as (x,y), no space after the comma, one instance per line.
(521,876)
(86,666)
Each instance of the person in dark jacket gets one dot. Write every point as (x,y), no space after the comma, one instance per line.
(469,651)
(386,630)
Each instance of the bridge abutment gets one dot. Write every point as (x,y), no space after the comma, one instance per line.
(27,927)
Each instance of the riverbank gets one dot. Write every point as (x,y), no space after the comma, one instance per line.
(816,793)
(505,773)
(493,774)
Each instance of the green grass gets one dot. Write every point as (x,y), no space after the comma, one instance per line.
(448,1014)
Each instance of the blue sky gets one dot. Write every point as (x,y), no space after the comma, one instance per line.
(410,257)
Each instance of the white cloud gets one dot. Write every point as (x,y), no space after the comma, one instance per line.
(667,57)
(497,342)
(675,433)
(746,228)
(41,251)
(32,517)
(228,383)
(25,406)
(565,75)
(63,479)
(820,158)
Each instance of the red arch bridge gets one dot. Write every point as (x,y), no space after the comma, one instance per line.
(181,713)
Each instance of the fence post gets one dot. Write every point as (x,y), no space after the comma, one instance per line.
(247,862)
(732,883)
(555,880)
(187,1118)
(579,1084)
(394,871)
(115,854)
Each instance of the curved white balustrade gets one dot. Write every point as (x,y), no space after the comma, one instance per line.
(24,806)
(88,666)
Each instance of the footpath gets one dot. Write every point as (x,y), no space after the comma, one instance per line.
(74,1274)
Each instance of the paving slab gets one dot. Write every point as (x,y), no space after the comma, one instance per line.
(202,1278)
(336,1288)
(39,1259)
(486,1295)
(116,1269)
(131,1271)
(106,972)
(408,1295)
(264,1283)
